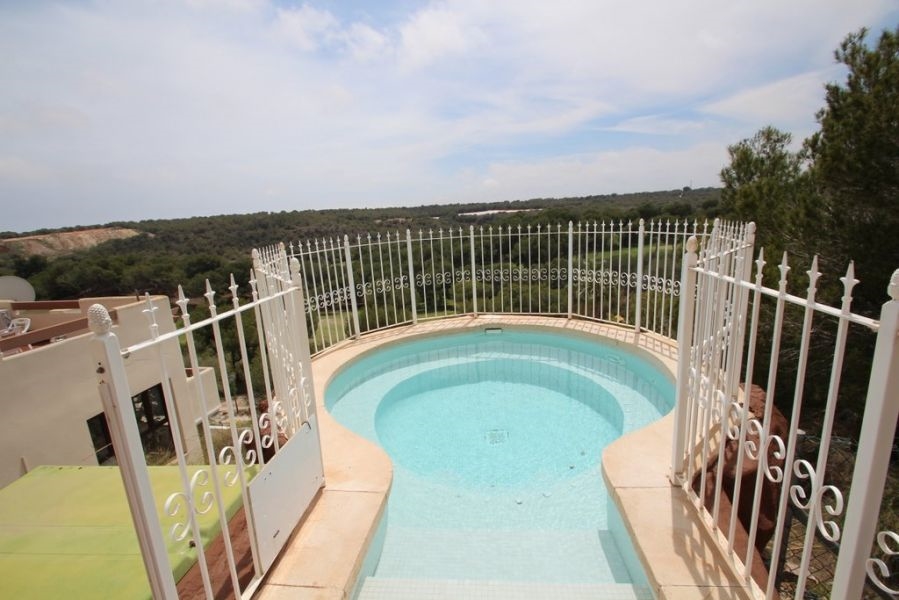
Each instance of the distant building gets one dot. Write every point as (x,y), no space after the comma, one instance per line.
(49,396)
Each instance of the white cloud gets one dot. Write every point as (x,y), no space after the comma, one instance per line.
(631,169)
(243,6)
(645,47)
(365,43)
(306,27)
(41,119)
(210,106)
(436,33)
(657,125)
(16,170)
(789,104)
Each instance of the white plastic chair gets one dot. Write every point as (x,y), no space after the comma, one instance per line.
(21,325)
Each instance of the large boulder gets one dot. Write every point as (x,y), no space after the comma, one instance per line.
(748,475)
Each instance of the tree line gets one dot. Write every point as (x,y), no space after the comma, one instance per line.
(835,196)
(189,251)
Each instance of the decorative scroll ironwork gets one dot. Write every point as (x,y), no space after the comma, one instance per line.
(178,503)
(328,299)
(766,441)
(520,269)
(877,569)
(228,456)
(813,500)
(661,285)
(272,424)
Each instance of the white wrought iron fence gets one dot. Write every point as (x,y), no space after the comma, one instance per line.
(736,455)
(253,464)
(618,273)
(609,272)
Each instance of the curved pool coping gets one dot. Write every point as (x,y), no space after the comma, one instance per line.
(325,554)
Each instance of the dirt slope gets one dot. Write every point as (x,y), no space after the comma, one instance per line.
(56,244)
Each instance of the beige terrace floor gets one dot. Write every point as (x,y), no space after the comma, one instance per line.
(323,558)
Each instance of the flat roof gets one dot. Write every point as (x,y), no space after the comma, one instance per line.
(66,532)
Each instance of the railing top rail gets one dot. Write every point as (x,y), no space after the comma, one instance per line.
(826,309)
(317,244)
(195,326)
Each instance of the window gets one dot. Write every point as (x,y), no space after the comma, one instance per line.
(99,431)
(152,423)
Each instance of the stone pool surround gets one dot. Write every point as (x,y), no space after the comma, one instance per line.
(324,557)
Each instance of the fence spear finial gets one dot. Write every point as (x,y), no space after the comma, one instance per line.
(813,274)
(182,303)
(759,266)
(210,295)
(784,268)
(849,282)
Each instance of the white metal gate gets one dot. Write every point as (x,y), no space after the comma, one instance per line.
(722,313)
(245,436)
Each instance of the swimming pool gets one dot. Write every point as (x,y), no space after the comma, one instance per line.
(496,437)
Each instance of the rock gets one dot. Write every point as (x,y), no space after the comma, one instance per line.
(770,493)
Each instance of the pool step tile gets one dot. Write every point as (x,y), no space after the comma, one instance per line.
(382,588)
(581,557)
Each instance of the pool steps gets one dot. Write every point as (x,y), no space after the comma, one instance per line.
(546,556)
(382,588)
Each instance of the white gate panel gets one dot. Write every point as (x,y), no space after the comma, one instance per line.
(284,489)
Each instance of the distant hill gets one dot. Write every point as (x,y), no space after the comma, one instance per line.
(156,255)
(64,242)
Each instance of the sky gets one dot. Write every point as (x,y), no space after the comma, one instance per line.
(117,110)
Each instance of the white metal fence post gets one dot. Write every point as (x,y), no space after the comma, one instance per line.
(411,277)
(744,260)
(873,457)
(297,300)
(642,230)
(116,398)
(685,317)
(570,266)
(352,283)
(474,273)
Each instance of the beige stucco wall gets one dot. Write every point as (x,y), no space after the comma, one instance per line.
(47,394)
(205,391)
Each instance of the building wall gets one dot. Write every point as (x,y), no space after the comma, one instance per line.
(205,390)
(47,394)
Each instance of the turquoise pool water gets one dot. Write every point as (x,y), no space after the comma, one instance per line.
(496,440)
